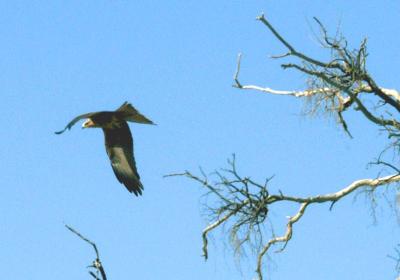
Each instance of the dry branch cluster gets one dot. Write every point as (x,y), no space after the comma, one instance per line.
(242,204)
(340,83)
(335,86)
(238,199)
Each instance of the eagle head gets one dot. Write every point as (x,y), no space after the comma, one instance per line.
(89,123)
(105,120)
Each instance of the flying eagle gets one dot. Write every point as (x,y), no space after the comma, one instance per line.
(118,141)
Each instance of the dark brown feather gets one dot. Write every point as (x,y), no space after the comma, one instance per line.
(119,147)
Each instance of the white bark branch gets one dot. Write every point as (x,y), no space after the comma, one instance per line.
(332,197)
(390,92)
(237,207)
(308,92)
(284,238)
(304,93)
(210,228)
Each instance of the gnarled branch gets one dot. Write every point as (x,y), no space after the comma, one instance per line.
(244,204)
(336,84)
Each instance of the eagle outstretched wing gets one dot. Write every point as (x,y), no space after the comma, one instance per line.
(119,148)
(75,120)
(124,167)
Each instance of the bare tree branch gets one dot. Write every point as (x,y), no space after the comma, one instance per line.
(244,205)
(292,51)
(338,82)
(305,93)
(210,228)
(284,238)
(335,86)
(332,197)
(96,263)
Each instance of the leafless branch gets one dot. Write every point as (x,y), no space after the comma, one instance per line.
(305,93)
(244,204)
(284,238)
(97,265)
(336,84)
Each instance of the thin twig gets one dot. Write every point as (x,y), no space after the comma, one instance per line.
(96,263)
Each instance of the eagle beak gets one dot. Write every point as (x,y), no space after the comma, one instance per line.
(88,123)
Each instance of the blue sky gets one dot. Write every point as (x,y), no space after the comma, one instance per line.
(174,61)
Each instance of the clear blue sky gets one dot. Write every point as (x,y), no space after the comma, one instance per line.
(174,61)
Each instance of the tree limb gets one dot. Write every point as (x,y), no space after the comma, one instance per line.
(337,85)
(245,208)
(284,238)
(340,80)
(96,263)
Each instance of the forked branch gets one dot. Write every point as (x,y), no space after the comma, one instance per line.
(100,274)
(336,84)
(242,205)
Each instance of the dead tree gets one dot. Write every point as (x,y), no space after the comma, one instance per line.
(99,272)
(336,86)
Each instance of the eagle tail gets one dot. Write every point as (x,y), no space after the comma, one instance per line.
(130,114)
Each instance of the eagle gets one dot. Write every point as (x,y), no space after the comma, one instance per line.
(118,141)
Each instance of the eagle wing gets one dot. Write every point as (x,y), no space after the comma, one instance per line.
(119,147)
(128,113)
(125,169)
(75,120)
